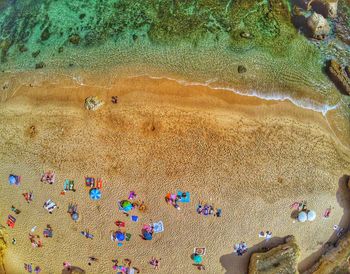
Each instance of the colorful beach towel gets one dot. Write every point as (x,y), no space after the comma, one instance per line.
(158,227)
(11,221)
(184,196)
(199,251)
(89,182)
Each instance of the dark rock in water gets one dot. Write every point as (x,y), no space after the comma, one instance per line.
(134,37)
(39,65)
(70,65)
(347,70)
(82,16)
(246,35)
(338,76)
(36,53)
(74,39)
(45,34)
(60,49)
(5,46)
(22,48)
(242,69)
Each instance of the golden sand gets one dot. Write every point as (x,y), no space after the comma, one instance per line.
(252,158)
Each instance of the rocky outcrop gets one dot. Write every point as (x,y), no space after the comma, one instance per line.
(93,103)
(339,76)
(328,8)
(318,26)
(3,247)
(278,260)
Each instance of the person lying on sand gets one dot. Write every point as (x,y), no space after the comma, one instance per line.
(155,262)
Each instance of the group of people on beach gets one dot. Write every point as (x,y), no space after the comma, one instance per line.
(207,210)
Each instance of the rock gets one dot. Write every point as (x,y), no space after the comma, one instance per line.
(93,103)
(241,69)
(318,26)
(36,53)
(60,49)
(22,48)
(332,8)
(347,70)
(39,65)
(82,16)
(45,34)
(281,259)
(74,39)
(246,35)
(339,76)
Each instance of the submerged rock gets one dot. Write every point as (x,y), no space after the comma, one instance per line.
(39,65)
(36,53)
(74,39)
(281,259)
(246,35)
(339,76)
(93,103)
(241,69)
(318,26)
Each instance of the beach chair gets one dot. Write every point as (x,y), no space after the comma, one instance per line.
(89,182)
(11,221)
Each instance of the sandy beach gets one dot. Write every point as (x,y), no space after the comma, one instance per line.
(251,158)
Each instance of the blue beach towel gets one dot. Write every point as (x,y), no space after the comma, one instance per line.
(184,199)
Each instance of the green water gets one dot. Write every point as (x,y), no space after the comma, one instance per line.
(193,40)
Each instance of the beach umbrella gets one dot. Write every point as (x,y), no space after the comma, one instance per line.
(197,259)
(95,194)
(12,180)
(126,205)
(302,216)
(311,215)
(120,236)
(75,216)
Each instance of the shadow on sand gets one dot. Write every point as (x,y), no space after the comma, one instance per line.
(343,198)
(74,269)
(234,264)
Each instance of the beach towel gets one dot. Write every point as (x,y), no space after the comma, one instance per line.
(11,221)
(127,236)
(98,183)
(185,199)
(48,233)
(89,182)
(120,223)
(15,180)
(158,227)
(199,251)
(48,177)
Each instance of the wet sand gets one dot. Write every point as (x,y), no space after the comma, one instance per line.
(250,157)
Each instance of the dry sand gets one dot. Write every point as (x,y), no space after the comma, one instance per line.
(252,158)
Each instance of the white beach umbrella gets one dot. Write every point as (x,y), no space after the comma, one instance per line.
(302,217)
(311,215)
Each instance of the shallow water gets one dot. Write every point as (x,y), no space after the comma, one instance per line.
(191,42)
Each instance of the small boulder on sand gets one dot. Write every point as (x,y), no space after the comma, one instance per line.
(93,103)
(318,26)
